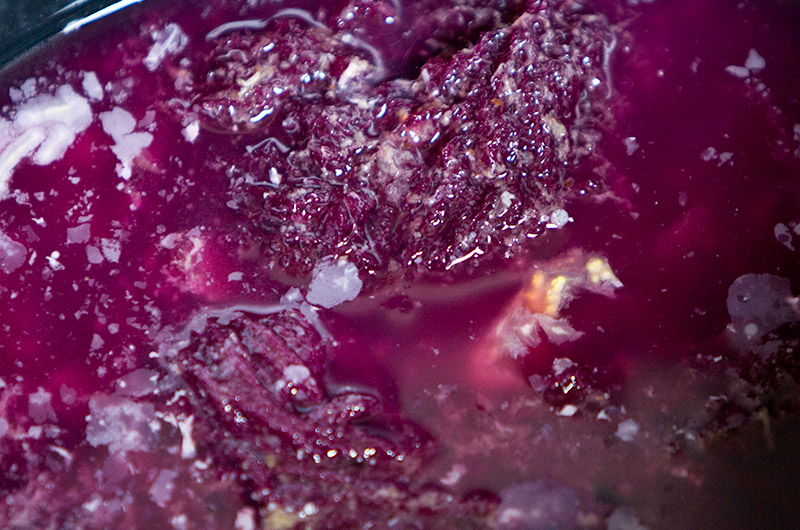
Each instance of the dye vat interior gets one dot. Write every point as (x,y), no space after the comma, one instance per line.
(138,290)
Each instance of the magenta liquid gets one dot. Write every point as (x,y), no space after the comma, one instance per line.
(395,264)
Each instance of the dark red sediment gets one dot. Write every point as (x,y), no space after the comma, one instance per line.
(385,264)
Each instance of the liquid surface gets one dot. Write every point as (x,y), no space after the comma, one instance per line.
(233,298)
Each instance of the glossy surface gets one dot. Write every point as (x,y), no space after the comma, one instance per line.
(403,264)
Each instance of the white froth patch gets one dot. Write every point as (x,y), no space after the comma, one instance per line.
(111,249)
(79,234)
(562,363)
(333,282)
(119,423)
(6,133)
(12,255)
(94,255)
(15,152)
(40,408)
(118,123)
(64,107)
(752,65)
(357,68)
(296,373)
(738,71)
(163,486)
(557,330)
(44,128)
(558,219)
(28,88)
(137,383)
(523,330)
(168,41)
(631,145)
(92,87)
(54,145)
(755,62)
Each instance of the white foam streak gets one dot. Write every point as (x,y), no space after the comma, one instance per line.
(15,152)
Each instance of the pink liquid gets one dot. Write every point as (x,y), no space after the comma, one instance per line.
(662,415)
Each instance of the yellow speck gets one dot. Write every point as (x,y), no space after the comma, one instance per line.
(250,82)
(279,520)
(546,293)
(600,272)
(555,295)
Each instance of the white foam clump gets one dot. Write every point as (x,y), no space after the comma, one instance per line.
(738,71)
(44,128)
(137,383)
(296,373)
(168,41)
(627,430)
(118,123)
(191,131)
(755,62)
(333,282)
(558,219)
(92,87)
